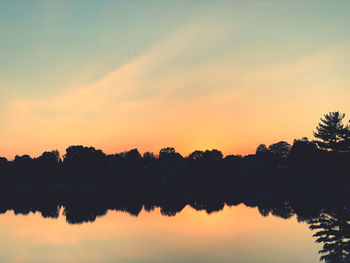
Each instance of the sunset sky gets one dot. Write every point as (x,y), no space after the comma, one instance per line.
(119,75)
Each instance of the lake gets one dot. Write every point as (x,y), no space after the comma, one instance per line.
(235,234)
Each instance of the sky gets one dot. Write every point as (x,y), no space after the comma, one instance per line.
(118,75)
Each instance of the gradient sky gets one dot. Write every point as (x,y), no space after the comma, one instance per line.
(190,74)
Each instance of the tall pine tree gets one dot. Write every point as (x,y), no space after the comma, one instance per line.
(332,132)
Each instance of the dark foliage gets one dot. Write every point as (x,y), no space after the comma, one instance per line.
(333,134)
(312,175)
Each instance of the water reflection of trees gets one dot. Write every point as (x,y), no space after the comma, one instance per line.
(327,217)
(330,222)
(332,228)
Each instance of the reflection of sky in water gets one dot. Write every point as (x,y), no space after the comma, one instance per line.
(235,234)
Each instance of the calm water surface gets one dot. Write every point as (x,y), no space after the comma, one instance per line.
(235,234)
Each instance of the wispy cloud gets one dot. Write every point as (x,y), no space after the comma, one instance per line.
(169,94)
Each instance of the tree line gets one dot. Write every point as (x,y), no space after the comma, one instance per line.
(330,151)
(86,183)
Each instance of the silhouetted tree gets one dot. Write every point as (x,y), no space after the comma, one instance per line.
(331,132)
(149,160)
(263,153)
(345,142)
(132,155)
(303,151)
(166,152)
(196,155)
(47,166)
(82,154)
(52,157)
(22,161)
(23,167)
(261,150)
(84,160)
(23,158)
(148,156)
(169,154)
(3,165)
(233,158)
(280,149)
(3,162)
(213,155)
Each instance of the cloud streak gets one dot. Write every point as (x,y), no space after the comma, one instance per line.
(170,95)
